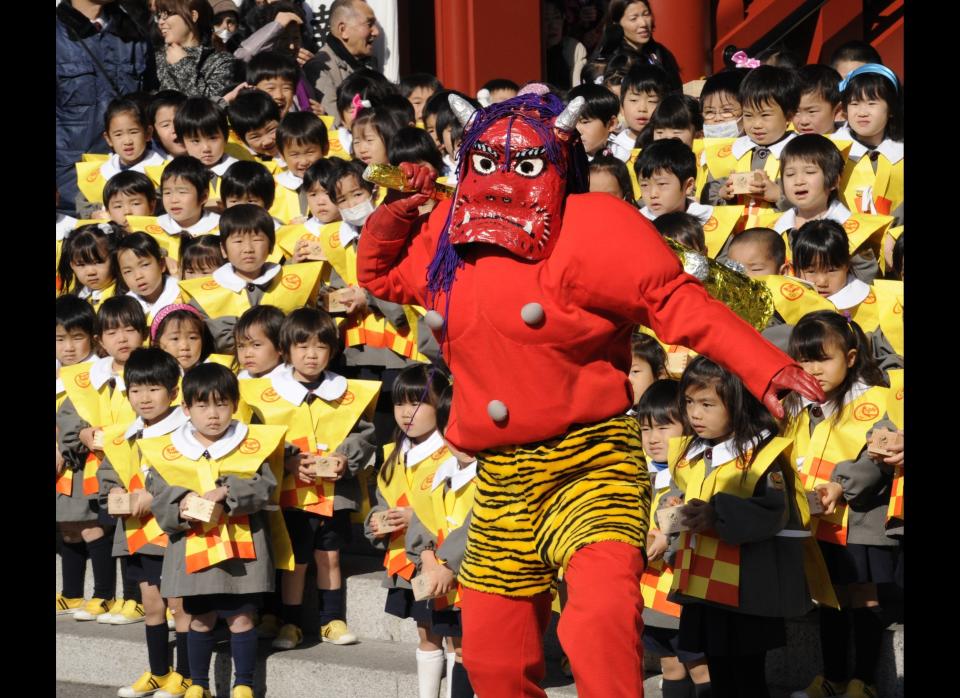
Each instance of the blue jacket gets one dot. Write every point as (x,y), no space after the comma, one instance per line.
(83,91)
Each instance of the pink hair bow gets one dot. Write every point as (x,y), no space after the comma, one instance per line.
(357,104)
(742,60)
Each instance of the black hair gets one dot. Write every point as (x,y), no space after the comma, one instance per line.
(200,251)
(856,50)
(500,84)
(88,244)
(244,218)
(409,83)
(667,155)
(388,115)
(748,417)
(248,178)
(323,172)
(817,150)
(725,82)
(599,102)
(446,118)
(352,168)
(643,78)
(768,83)
(130,182)
(444,403)
(143,246)
(302,128)
(200,116)
(190,169)
(181,316)
(124,105)
(618,168)
(808,342)
(270,65)
(770,239)
(820,80)
(411,144)
(367,83)
(820,243)
(164,98)
(867,86)
(252,109)
(780,57)
(675,111)
(74,313)
(616,69)
(592,70)
(418,383)
(660,404)
(151,366)
(118,312)
(898,257)
(684,228)
(210,382)
(652,52)
(643,346)
(302,324)
(268,318)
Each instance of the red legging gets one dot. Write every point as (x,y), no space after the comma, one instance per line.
(600,630)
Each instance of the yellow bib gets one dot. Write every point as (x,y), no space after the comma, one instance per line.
(89,180)
(657,577)
(99,408)
(723,223)
(889,295)
(885,186)
(450,510)
(286,204)
(793,299)
(294,287)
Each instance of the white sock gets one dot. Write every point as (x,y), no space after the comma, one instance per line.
(429,672)
(451,660)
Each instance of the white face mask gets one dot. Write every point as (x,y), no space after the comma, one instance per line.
(726,129)
(225,34)
(357,215)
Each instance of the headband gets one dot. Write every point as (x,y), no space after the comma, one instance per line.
(166,310)
(871,68)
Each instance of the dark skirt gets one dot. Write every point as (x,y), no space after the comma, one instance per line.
(225,605)
(720,632)
(144,569)
(309,532)
(400,603)
(446,623)
(665,642)
(856,563)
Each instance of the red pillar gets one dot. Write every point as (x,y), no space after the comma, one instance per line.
(478,40)
(682,26)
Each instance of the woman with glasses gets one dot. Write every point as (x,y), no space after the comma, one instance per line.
(192,60)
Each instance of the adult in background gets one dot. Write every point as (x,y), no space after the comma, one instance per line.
(193,60)
(565,55)
(347,48)
(628,29)
(101,54)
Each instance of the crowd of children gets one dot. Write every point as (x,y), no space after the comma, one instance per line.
(230,401)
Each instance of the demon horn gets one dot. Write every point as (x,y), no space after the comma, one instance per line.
(567,121)
(462,108)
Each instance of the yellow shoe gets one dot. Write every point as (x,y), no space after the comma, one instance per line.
(289,637)
(859,689)
(242,692)
(175,686)
(146,685)
(269,627)
(337,632)
(171,625)
(132,612)
(820,688)
(93,609)
(114,610)
(67,607)
(197,692)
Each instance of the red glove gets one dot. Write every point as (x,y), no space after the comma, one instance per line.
(420,185)
(791,378)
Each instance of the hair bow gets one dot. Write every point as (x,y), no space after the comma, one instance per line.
(357,104)
(871,68)
(483,96)
(742,60)
(166,310)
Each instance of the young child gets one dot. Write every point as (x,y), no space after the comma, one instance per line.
(643,88)
(741,502)
(203,127)
(499,90)
(184,189)
(161,112)
(449,133)
(372,130)
(86,266)
(319,182)
(128,195)
(648,365)
(76,328)
(658,411)
(873,177)
(677,116)
(219,568)
(276,74)
(358,87)
(128,135)
(598,118)
(152,379)
(761,252)
(853,487)
(666,172)
(247,238)
(404,490)
(181,332)
(255,118)
(95,400)
(257,337)
(684,228)
(247,182)
(412,144)
(200,256)
(142,274)
(610,175)
(820,108)
(720,105)
(418,88)
(327,416)
(302,140)
(769,97)
(852,55)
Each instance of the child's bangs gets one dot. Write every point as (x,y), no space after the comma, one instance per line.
(808,342)
(87,249)
(868,86)
(807,254)
(409,387)
(120,318)
(178,321)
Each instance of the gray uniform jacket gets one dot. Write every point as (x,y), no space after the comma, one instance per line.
(711,190)
(419,538)
(76,507)
(108,479)
(235,576)
(390,581)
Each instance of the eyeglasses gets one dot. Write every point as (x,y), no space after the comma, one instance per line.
(724,114)
(161,15)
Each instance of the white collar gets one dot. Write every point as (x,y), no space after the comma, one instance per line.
(171,289)
(87,292)
(348,233)
(744,145)
(223,165)
(102,371)
(699,211)
(346,138)
(313,226)
(331,388)
(245,374)
(415,454)
(185,441)
(289,180)
(661,478)
(836,211)
(890,149)
(208,221)
(851,295)
(724,451)
(648,213)
(228,278)
(450,470)
(856,390)
(64,225)
(111,166)
(176,419)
